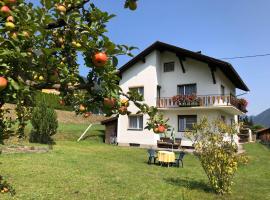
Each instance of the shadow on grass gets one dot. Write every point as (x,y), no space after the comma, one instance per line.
(96,137)
(190,184)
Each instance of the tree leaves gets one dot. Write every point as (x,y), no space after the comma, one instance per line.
(42,51)
(14,84)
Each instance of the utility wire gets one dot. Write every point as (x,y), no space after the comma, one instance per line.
(251,56)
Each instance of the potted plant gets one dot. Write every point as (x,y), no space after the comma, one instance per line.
(242,104)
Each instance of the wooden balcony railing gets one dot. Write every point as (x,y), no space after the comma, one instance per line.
(199,100)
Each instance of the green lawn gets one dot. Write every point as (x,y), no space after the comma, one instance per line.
(72,132)
(93,170)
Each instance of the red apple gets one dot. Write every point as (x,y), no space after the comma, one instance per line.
(5,10)
(62,102)
(156,130)
(10,19)
(87,114)
(161,128)
(82,108)
(13,35)
(124,102)
(61,8)
(25,34)
(41,78)
(61,40)
(3,83)
(132,5)
(100,59)
(10,25)
(122,110)
(109,102)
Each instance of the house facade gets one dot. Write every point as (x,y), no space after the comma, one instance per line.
(184,85)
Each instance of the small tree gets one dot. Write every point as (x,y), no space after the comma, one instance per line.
(45,124)
(218,156)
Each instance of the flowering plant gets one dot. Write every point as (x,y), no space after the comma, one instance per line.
(186,99)
(243,102)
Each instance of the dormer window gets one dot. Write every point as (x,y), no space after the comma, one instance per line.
(169,67)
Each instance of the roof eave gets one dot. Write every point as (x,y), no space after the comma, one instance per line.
(238,82)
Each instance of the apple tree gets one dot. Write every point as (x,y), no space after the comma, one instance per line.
(39,48)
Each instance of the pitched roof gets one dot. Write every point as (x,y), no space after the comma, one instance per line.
(263,130)
(111,119)
(225,67)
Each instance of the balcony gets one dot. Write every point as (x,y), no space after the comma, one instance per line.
(203,101)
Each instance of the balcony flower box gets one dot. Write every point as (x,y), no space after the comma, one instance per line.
(241,104)
(186,100)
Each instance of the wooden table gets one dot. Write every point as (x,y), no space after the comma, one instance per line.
(166,157)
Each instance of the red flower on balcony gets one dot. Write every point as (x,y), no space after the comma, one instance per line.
(185,100)
(243,102)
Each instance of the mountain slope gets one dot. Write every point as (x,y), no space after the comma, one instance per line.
(262,118)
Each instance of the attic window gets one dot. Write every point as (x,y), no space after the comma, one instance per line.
(169,67)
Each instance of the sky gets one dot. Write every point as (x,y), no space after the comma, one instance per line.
(224,28)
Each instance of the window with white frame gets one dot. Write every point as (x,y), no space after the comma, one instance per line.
(139,90)
(135,122)
(186,122)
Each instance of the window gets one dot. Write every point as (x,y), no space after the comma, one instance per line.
(158,91)
(188,89)
(135,122)
(186,122)
(222,90)
(169,67)
(140,90)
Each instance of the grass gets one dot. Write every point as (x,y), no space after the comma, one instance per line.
(74,131)
(93,170)
(71,132)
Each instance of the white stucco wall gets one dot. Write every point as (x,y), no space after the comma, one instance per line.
(142,74)
(223,80)
(212,115)
(196,72)
(150,74)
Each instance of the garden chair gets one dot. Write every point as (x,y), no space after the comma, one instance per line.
(152,156)
(180,159)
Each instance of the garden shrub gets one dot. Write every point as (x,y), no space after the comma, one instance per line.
(44,124)
(218,157)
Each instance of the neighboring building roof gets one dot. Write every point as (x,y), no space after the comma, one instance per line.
(225,67)
(263,130)
(106,121)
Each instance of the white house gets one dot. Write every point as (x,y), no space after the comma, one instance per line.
(162,71)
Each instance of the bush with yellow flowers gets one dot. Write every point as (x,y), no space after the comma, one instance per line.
(217,152)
